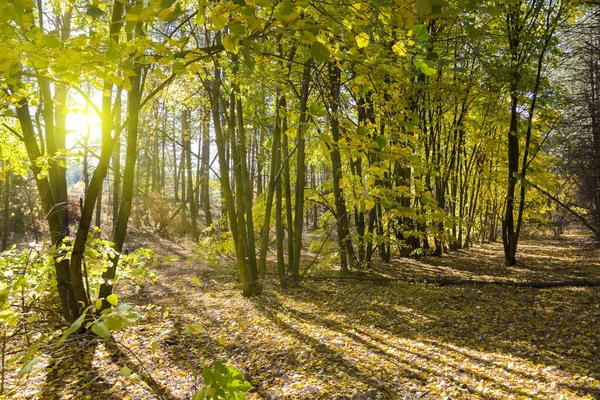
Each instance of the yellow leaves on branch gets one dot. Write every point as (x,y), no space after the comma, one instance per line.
(362,40)
(399,49)
(230,44)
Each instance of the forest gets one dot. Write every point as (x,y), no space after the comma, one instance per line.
(300,199)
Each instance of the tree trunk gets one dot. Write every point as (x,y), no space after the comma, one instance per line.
(347,257)
(509,236)
(274,185)
(244,272)
(118,237)
(116,161)
(6,211)
(187,144)
(301,170)
(205,170)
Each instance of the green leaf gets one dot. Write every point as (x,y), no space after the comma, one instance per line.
(193,328)
(201,17)
(170,259)
(167,3)
(94,12)
(285,7)
(27,367)
(125,371)
(208,376)
(424,7)
(421,32)
(3,296)
(114,324)
(113,299)
(167,15)
(319,51)
(237,29)
(124,307)
(73,328)
(198,281)
(424,67)
(100,329)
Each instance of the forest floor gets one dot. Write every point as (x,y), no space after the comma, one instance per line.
(343,339)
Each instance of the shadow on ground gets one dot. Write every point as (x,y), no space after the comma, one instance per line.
(357,340)
(343,339)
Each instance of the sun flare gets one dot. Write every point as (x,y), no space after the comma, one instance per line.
(83,125)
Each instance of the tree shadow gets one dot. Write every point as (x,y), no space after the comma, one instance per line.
(416,369)
(385,338)
(467,324)
(71,371)
(552,261)
(124,358)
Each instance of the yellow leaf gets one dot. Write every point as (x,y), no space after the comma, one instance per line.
(343,181)
(408,19)
(218,19)
(131,17)
(399,49)
(163,14)
(230,44)
(127,84)
(113,299)
(362,40)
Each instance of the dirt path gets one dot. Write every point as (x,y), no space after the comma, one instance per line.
(368,340)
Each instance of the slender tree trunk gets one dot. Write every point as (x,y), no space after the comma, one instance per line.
(274,185)
(116,161)
(301,170)
(347,257)
(509,235)
(205,170)
(287,193)
(119,233)
(244,271)
(6,211)
(247,190)
(99,207)
(187,144)
(58,231)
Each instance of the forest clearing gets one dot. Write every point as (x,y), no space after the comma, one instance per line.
(336,339)
(300,199)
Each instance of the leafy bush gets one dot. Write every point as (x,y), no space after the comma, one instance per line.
(213,247)
(224,382)
(27,285)
(28,294)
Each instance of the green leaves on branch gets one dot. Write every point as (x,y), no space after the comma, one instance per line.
(423,66)
(224,382)
(94,12)
(424,7)
(319,51)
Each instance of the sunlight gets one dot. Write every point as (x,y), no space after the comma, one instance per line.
(82,123)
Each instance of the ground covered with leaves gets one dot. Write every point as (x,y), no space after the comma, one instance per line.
(354,338)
